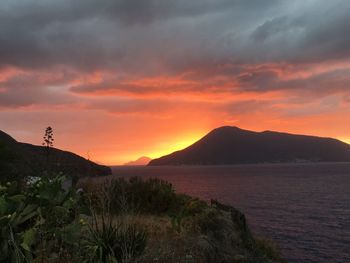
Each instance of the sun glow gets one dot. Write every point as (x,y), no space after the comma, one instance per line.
(164,147)
(176,145)
(346,140)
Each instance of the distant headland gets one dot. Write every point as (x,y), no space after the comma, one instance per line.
(232,145)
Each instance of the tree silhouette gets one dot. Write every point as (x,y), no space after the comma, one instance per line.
(48,137)
(48,143)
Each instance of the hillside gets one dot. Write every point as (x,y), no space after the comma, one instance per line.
(27,159)
(139,162)
(231,145)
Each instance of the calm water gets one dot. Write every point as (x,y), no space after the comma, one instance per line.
(305,208)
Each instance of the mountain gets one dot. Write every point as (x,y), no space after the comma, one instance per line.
(27,159)
(139,162)
(232,145)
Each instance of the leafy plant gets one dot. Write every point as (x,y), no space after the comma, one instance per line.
(58,215)
(38,221)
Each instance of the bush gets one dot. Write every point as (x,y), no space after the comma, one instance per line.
(134,195)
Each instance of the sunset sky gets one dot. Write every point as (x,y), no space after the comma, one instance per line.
(120,79)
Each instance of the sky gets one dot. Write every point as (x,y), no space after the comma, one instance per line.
(120,79)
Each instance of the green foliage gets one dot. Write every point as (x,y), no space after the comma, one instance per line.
(36,221)
(16,239)
(107,242)
(59,211)
(42,221)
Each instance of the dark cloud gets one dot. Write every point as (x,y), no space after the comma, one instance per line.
(86,34)
(211,46)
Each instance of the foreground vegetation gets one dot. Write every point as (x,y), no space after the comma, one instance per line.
(120,220)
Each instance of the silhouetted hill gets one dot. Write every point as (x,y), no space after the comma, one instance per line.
(27,159)
(139,162)
(6,139)
(231,145)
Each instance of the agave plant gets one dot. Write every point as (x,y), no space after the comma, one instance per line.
(108,242)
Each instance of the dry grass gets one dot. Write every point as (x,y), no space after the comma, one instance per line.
(191,244)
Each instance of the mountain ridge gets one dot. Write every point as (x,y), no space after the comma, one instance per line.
(232,145)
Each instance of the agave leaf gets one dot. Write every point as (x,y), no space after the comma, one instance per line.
(29,209)
(3,205)
(40,221)
(28,216)
(4,249)
(28,213)
(25,246)
(29,237)
(46,194)
(17,198)
(3,220)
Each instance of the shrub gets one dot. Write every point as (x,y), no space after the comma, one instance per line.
(134,195)
(151,196)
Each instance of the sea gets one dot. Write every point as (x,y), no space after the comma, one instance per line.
(304,208)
